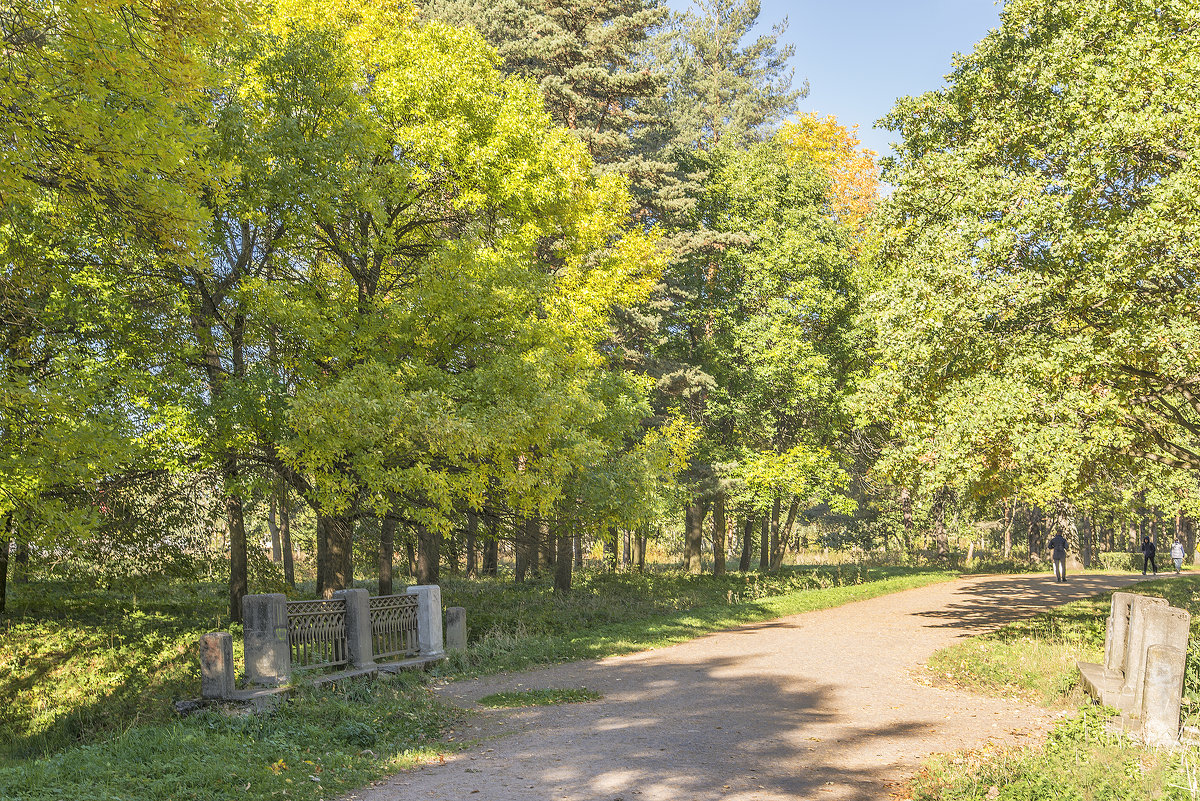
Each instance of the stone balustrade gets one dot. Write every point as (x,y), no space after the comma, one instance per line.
(1145,646)
(350,635)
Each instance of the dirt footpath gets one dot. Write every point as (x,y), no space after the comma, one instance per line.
(816,706)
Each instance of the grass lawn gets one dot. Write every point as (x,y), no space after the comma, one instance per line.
(87,678)
(1035,660)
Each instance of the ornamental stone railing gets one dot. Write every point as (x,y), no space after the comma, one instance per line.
(351,633)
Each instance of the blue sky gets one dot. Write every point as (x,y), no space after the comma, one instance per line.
(860,56)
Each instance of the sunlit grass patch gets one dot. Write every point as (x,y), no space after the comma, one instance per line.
(546,697)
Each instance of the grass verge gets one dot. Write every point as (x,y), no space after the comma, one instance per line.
(1035,660)
(87,679)
(550,697)
(610,622)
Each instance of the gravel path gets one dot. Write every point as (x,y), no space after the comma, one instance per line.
(816,706)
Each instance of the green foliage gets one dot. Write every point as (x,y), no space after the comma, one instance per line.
(508,700)
(1119,560)
(310,748)
(1033,293)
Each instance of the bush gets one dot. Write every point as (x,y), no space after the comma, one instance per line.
(1120,560)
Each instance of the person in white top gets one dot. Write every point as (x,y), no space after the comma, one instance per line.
(1177,555)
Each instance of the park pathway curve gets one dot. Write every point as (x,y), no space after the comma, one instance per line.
(821,705)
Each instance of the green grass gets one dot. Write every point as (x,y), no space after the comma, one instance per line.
(609,614)
(549,697)
(322,743)
(88,677)
(1035,660)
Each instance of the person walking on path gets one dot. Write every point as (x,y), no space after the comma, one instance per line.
(1177,555)
(1058,555)
(1148,556)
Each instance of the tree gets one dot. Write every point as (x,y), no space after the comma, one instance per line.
(851,169)
(1034,298)
(99,176)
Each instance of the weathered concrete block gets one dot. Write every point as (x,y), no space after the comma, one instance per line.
(1134,663)
(429,619)
(1117,631)
(358,627)
(1163,625)
(268,655)
(1161,698)
(216,665)
(456,628)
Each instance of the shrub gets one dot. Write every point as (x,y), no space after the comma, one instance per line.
(1120,560)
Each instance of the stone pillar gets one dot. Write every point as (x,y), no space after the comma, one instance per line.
(429,619)
(1163,625)
(456,628)
(216,665)
(1162,695)
(268,654)
(1118,631)
(1136,643)
(358,627)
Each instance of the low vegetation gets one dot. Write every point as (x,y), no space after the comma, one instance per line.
(1035,659)
(548,697)
(87,679)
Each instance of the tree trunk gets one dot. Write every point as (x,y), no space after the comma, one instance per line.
(577,545)
(20,560)
(236,522)
(764,542)
(747,544)
(520,550)
(694,536)
(453,545)
(719,530)
(429,546)
(776,508)
(387,550)
(339,553)
(1010,513)
(5,544)
(638,558)
(491,549)
(610,547)
(472,538)
(1189,540)
(785,535)
(548,542)
(563,559)
(285,536)
(626,551)
(906,514)
(941,541)
(322,551)
(273,527)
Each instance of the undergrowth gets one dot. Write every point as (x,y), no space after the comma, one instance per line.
(1035,659)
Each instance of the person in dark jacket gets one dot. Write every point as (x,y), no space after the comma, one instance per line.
(1058,555)
(1148,556)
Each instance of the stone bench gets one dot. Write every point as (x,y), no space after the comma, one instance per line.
(1145,646)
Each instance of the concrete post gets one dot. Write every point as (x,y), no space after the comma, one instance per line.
(1118,631)
(268,653)
(1134,663)
(1162,695)
(429,619)
(358,627)
(456,628)
(216,665)
(1163,625)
